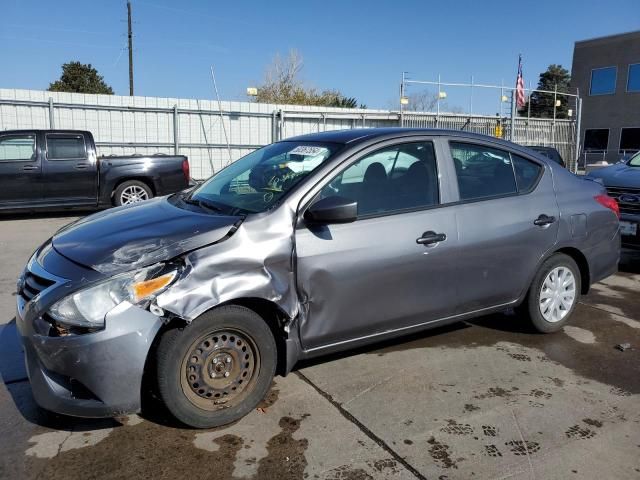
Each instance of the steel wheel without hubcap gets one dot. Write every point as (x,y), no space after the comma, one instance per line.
(558,294)
(220,369)
(133,194)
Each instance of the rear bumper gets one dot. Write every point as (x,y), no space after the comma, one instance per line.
(92,375)
(603,258)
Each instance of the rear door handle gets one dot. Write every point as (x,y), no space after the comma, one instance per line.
(29,168)
(429,238)
(81,166)
(543,220)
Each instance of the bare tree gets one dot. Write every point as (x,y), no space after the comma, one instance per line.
(283,84)
(427,101)
(282,78)
(423,101)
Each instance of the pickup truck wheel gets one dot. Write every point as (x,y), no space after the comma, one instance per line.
(217,369)
(131,191)
(553,294)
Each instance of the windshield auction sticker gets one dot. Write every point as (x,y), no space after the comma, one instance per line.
(308,150)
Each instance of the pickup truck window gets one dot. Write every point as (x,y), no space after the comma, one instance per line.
(17,148)
(65,147)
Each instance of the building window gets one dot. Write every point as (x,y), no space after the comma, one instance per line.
(629,140)
(596,139)
(603,81)
(633,79)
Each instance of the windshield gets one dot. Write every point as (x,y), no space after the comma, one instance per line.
(257,181)
(635,160)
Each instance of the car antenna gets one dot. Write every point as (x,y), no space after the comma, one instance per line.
(224,128)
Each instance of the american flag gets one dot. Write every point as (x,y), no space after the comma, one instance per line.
(520,98)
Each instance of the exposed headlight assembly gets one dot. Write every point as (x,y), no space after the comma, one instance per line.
(88,307)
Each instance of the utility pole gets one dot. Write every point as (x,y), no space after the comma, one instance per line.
(130,50)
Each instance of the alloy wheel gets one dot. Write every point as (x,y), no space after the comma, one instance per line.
(133,194)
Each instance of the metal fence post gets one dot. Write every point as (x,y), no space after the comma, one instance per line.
(281,127)
(578,127)
(401,100)
(52,124)
(274,126)
(176,131)
(553,125)
(513,115)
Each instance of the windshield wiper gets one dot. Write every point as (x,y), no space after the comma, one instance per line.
(202,204)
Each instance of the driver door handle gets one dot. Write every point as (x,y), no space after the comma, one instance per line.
(29,168)
(430,237)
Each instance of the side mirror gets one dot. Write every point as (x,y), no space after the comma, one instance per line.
(332,209)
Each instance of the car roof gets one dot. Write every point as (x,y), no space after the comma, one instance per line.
(42,130)
(360,135)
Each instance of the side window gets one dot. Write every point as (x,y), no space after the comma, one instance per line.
(482,171)
(527,173)
(397,178)
(17,148)
(65,147)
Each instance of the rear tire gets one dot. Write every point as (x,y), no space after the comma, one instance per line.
(553,295)
(217,369)
(131,191)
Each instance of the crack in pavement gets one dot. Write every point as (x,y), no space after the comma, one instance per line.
(377,440)
(368,389)
(524,443)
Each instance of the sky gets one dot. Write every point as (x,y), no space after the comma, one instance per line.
(359,47)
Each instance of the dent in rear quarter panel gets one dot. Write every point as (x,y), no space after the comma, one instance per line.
(586,225)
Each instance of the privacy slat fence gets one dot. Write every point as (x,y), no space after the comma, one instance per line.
(196,128)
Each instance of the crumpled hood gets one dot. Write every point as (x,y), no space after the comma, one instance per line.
(142,234)
(618,175)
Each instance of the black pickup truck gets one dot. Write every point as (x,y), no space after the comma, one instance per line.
(59,169)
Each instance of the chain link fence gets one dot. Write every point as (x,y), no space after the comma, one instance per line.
(212,138)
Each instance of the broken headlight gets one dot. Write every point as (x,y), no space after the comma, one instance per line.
(89,306)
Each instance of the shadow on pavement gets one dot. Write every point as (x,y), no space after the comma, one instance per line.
(11,361)
(44,215)
(439,336)
(13,372)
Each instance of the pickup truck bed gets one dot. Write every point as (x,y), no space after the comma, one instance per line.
(59,169)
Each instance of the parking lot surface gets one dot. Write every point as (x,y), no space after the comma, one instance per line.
(481,399)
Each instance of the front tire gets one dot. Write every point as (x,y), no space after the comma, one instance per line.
(554,294)
(217,369)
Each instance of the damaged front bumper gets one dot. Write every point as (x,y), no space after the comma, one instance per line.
(96,374)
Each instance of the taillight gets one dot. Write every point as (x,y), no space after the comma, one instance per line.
(610,203)
(185,169)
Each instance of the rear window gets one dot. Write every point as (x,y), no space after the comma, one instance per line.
(527,173)
(482,172)
(65,147)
